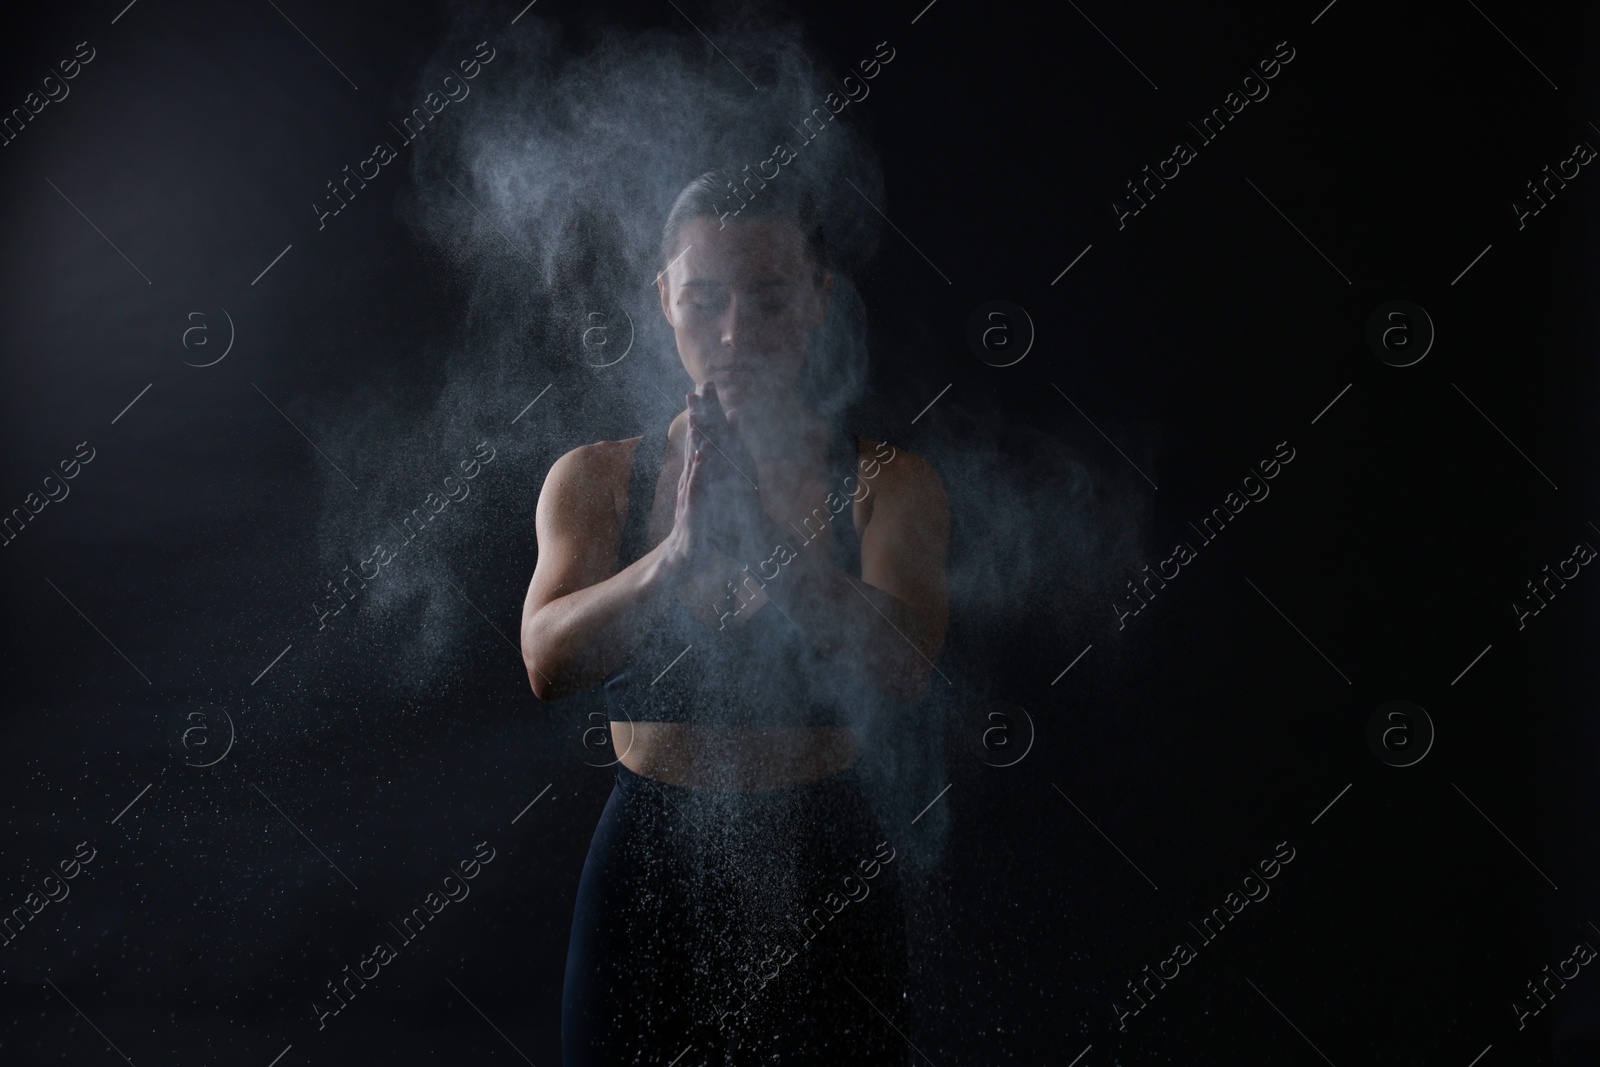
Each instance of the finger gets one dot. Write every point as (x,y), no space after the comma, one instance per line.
(710,426)
(696,489)
(705,441)
(695,437)
(712,409)
(686,485)
(706,415)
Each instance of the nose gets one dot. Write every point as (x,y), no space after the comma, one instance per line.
(736,321)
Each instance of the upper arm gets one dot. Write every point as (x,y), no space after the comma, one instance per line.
(904,544)
(576,525)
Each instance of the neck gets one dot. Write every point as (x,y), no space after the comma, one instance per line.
(778,434)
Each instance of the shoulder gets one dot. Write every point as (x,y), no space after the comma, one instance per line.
(895,483)
(897,472)
(611,461)
(591,475)
(600,460)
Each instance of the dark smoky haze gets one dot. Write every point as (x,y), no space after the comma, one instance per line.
(308,301)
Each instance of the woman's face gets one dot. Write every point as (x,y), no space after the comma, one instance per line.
(742,300)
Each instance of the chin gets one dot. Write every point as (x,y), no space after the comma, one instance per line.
(735,388)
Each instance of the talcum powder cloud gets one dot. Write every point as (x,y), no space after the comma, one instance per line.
(547,190)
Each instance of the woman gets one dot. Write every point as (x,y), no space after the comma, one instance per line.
(744,582)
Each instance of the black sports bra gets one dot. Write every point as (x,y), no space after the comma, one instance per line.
(758,671)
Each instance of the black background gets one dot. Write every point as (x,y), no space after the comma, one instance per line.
(1196,738)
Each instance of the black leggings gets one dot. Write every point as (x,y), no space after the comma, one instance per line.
(719,927)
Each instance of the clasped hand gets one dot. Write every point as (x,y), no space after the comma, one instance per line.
(719,507)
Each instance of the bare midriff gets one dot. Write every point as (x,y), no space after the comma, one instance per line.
(703,755)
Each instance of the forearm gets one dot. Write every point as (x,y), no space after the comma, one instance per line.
(576,640)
